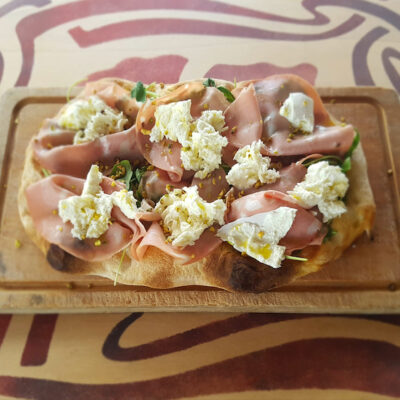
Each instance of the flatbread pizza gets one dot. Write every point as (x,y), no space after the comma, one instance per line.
(242,186)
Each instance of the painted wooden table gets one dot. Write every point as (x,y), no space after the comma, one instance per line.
(199,355)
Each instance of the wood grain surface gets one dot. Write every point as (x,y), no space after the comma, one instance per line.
(366,279)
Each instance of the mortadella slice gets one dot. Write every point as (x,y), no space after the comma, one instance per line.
(155,237)
(306,229)
(42,200)
(53,149)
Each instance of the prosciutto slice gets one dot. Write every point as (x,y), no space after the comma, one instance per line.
(289,177)
(155,237)
(54,150)
(306,228)
(42,200)
(270,93)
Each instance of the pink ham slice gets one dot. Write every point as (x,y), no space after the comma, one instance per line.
(154,184)
(243,119)
(43,197)
(270,94)
(289,177)
(115,93)
(53,149)
(306,228)
(213,187)
(155,237)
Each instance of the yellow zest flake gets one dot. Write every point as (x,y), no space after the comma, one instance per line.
(276,152)
(260,234)
(73,187)
(49,146)
(16,121)
(221,194)
(282,86)
(201,185)
(168,187)
(60,228)
(206,106)
(150,168)
(97,243)
(261,121)
(113,184)
(162,85)
(343,124)
(243,254)
(212,229)
(145,131)
(214,182)
(17,244)
(192,256)
(234,129)
(257,185)
(342,119)
(288,140)
(55,212)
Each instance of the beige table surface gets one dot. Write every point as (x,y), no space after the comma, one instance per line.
(47,43)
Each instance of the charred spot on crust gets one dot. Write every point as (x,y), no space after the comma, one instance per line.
(243,277)
(57,257)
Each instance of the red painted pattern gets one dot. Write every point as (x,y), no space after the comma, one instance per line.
(39,339)
(165,69)
(169,26)
(260,70)
(4,323)
(328,363)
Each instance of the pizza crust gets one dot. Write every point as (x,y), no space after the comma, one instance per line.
(224,268)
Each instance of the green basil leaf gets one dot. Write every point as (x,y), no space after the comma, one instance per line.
(139,173)
(139,92)
(122,171)
(346,166)
(209,83)
(228,94)
(226,168)
(331,233)
(335,160)
(46,172)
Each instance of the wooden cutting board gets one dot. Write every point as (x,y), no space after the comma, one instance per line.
(365,280)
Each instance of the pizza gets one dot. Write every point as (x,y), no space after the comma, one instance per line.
(242,186)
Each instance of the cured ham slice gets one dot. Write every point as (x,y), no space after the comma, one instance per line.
(243,118)
(53,149)
(306,228)
(270,93)
(213,187)
(155,237)
(289,177)
(42,199)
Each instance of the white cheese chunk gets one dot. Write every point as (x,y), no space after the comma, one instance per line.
(298,109)
(186,215)
(251,167)
(201,139)
(324,186)
(203,150)
(92,118)
(90,212)
(173,121)
(258,236)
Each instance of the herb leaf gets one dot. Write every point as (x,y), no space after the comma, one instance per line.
(122,171)
(346,166)
(139,173)
(331,159)
(226,168)
(228,94)
(209,83)
(331,233)
(46,172)
(139,92)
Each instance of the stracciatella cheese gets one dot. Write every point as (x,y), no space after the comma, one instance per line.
(91,118)
(324,186)
(186,215)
